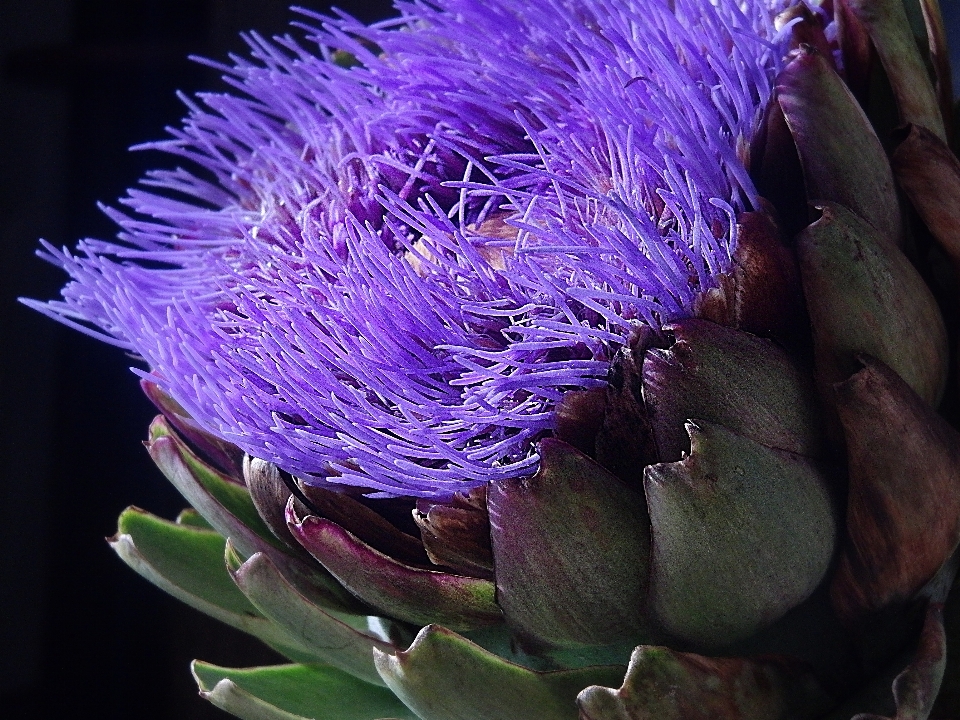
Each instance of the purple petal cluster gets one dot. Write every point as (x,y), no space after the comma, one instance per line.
(397,246)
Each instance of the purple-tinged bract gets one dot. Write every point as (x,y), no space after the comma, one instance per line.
(385,272)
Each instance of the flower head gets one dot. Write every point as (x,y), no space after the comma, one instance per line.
(386,272)
(506,261)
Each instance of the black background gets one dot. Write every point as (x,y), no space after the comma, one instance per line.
(80,81)
(80,633)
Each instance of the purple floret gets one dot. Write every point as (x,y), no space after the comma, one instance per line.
(385,273)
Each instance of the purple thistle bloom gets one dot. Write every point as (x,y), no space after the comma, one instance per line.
(387,274)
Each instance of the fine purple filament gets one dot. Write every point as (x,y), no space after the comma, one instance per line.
(386,275)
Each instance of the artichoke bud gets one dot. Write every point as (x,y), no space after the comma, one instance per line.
(733,378)
(457,535)
(545,244)
(571,547)
(903,511)
(742,533)
(864,296)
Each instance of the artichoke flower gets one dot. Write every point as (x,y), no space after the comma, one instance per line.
(544,359)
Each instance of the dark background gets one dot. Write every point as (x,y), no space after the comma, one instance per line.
(80,81)
(80,633)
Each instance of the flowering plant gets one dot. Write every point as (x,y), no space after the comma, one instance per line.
(527,359)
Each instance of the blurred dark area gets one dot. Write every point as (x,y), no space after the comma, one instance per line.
(80,82)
